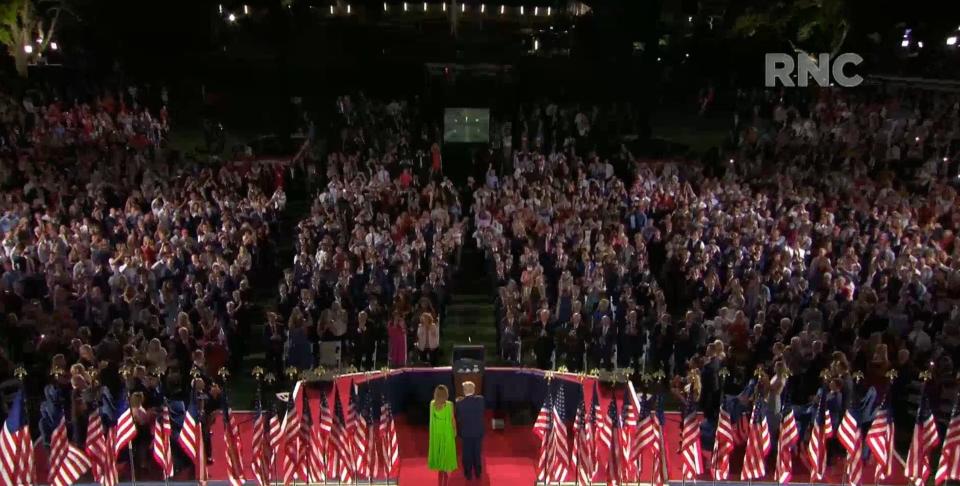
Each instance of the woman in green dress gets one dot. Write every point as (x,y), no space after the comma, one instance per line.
(442,456)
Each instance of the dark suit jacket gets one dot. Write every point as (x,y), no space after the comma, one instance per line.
(470,416)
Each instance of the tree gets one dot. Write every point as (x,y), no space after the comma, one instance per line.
(27,28)
(809,26)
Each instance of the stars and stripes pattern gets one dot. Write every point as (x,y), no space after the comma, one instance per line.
(67,462)
(290,455)
(723,445)
(949,467)
(559,438)
(850,438)
(372,415)
(758,444)
(16,445)
(789,437)
(231,437)
(275,434)
(649,438)
(581,453)
(96,449)
(357,426)
(595,423)
(628,429)
(319,439)
(338,444)
(541,428)
(820,427)
(125,428)
(304,460)
(690,448)
(616,470)
(191,440)
(260,462)
(925,439)
(389,442)
(880,441)
(162,453)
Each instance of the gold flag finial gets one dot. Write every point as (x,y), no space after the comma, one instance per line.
(257,373)
(224,374)
(20,372)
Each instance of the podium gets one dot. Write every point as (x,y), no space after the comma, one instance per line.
(468,365)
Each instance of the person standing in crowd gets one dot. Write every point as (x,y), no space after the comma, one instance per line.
(428,339)
(397,337)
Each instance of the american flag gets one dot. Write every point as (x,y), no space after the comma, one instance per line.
(388,440)
(880,440)
(290,456)
(789,437)
(111,477)
(690,449)
(924,441)
(595,423)
(615,459)
(820,426)
(854,466)
(660,468)
(162,454)
(758,444)
(275,434)
(949,467)
(582,450)
(542,428)
(559,439)
(191,440)
(849,432)
(231,437)
(261,447)
(723,445)
(16,445)
(96,447)
(372,414)
(357,426)
(304,460)
(628,429)
(338,445)
(67,462)
(318,442)
(126,429)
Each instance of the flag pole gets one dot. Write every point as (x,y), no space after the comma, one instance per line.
(20,372)
(724,373)
(133,466)
(659,376)
(166,441)
(825,376)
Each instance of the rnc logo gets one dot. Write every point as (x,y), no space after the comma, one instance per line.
(779,66)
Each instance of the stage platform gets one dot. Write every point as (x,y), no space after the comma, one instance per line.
(510,454)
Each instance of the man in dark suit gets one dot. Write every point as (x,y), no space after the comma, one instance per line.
(469,410)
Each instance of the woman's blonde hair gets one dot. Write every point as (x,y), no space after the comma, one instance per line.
(440,396)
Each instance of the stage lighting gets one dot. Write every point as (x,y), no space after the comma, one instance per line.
(246,9)
(348,9)
(331,10)
(444,6)
(28,49)
(521,10)
(385,7)
(54,46)
(424,6)
(483,8)
(220,8)
(549,11)
(920,44)
(232,18)
(536,11)
(404,6)
(463,7)
(536,44)
(952,40)
(502,8)
(905,43)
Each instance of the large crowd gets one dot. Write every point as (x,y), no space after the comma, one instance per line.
(375,257)
(823,240)
(125,268)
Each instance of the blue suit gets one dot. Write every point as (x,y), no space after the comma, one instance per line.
(470,424)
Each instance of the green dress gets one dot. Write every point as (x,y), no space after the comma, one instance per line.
(443,443)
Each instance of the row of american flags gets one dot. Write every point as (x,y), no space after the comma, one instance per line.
(614,443)
(349,445)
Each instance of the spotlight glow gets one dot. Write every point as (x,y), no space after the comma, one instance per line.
(905,43)
(536,10)
(502,8)
(331,10)
(405,7)
(54,46)
(549,11)
(483,8)
(246,9)
(424,6)
(521,10)
(444,6)
(385,7)
(232,18)
(348,8)
(463,7)
(28,49)
(952,40)
(220,8)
